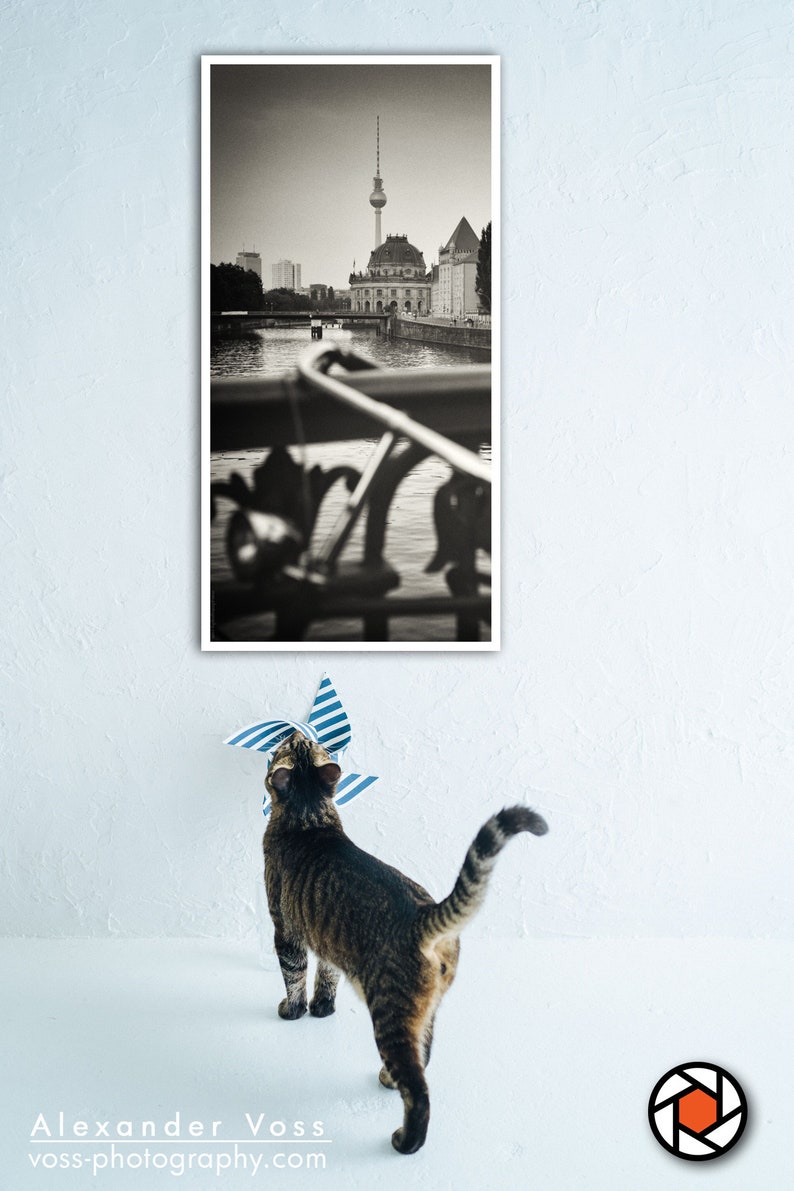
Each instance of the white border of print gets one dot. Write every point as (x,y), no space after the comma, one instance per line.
(207,61)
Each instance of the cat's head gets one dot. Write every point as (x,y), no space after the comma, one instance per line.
(302,777)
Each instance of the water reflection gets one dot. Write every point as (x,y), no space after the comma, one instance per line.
(272,350)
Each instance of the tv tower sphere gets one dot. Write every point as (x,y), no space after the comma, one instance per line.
(378,196)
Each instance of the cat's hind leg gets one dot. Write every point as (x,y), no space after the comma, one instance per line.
(402,1065)
(427,1039)
(426,1046)
(293,960)
(323,1002)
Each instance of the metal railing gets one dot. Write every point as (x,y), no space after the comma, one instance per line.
(278,565)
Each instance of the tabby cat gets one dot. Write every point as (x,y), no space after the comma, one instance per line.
(398,947)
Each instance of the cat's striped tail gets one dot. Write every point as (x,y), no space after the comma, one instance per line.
(449,916)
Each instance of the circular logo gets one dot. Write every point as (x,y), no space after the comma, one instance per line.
(697,1111)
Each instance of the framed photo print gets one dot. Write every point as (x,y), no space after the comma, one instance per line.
(350,344)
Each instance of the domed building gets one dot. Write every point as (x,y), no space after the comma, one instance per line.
(396,275)
(395,279)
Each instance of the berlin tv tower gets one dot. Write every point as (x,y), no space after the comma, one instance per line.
(377,198)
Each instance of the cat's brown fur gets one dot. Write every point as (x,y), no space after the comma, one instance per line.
(359,916)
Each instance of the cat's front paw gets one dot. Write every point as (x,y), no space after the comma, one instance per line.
(290,1010)
(386,1079)
(322,1006)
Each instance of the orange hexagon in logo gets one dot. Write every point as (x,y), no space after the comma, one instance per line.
(697,1110)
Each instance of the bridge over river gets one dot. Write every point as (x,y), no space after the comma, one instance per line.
(228,320)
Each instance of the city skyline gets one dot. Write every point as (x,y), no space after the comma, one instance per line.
(293,159)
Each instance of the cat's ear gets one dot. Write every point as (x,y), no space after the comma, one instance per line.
(328,775)
(280,778)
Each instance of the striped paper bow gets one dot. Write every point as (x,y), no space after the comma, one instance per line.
(327,724)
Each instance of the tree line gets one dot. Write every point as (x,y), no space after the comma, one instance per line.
(482,284)
(235,288)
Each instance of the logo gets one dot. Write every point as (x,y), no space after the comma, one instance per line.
(697,1111)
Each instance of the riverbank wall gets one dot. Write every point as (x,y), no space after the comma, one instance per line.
(426,331)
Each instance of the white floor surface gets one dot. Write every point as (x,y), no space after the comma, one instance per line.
(546,1053)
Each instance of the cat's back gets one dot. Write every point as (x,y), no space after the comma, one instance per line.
(341,897)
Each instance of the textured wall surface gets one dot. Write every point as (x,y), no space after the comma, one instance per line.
(643,697)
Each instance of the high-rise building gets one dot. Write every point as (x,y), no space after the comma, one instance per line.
(286,275)
(250,260)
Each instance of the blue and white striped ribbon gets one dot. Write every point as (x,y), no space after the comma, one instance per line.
(266,735)
(327,724)
(329,719)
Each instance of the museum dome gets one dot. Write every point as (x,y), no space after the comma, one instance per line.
(396,253)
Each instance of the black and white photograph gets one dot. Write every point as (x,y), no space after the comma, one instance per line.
(350,350)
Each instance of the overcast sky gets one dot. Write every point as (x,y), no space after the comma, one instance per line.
(293,158)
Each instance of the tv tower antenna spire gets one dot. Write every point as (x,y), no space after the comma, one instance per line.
(377,198)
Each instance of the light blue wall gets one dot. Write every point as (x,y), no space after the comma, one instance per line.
(643,698)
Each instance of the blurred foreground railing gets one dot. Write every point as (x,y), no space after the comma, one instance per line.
(271,545)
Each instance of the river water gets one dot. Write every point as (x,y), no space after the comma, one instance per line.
(411,540)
